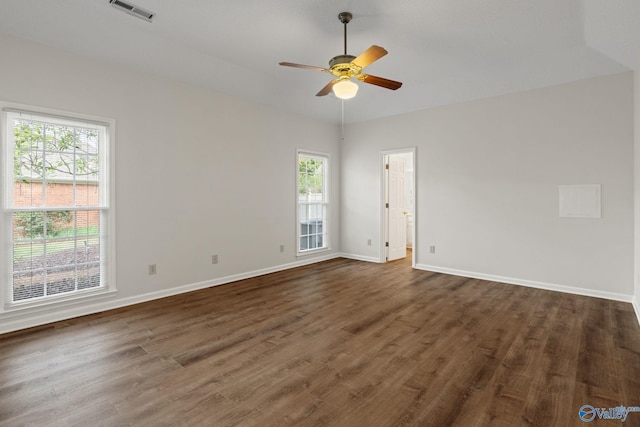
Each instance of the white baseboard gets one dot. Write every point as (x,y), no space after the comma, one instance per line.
(636,306)
(361,258)
(28,318)
(529,283)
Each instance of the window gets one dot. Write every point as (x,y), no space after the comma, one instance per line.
(312,202)
(56,206)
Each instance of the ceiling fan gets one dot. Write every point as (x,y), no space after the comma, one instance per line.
(344,67)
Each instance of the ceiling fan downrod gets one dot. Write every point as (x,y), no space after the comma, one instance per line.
(345,18)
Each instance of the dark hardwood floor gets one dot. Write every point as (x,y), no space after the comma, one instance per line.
(339,343)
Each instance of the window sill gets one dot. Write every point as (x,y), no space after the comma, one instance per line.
(312,252)
(60,301)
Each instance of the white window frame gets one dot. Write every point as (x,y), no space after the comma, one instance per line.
(107,207)
(325,203)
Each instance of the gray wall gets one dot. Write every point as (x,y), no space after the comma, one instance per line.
(197,173)
(487,186)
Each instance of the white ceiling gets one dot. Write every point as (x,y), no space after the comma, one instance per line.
(444,51)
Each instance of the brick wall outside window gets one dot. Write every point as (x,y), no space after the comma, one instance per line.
(59,194)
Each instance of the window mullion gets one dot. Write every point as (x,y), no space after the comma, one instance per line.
(43,198)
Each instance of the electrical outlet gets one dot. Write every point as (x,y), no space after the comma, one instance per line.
(214,259)
(432,249)
(152,269)
(369,242)
(281,248)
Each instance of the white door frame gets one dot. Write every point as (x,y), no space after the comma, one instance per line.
(383,212)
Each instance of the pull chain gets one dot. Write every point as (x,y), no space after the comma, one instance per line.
(342,126)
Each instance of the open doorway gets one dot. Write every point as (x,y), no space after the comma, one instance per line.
(398,205)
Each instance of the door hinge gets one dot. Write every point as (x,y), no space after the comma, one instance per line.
(386,166)
(386,205)
(386,244)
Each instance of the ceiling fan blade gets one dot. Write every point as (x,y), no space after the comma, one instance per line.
(379,81)
(308,67)
(327,89)
(370,55)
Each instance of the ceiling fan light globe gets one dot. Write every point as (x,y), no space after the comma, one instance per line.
(345,89)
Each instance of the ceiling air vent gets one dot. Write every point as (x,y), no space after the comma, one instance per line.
(132,10)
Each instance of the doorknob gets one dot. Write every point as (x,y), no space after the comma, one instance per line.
(406,213)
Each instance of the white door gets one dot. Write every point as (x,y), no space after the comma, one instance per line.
(396,188)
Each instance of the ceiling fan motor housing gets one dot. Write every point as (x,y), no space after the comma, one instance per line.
(342,65)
